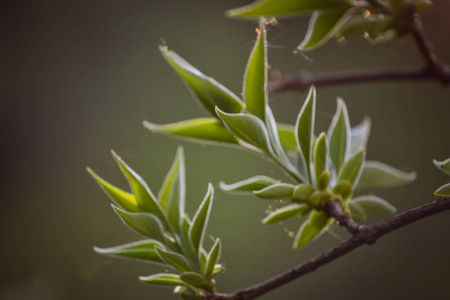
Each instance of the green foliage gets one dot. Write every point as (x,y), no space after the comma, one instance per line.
(328,167)
(172,240)
(444,166)
(376,20)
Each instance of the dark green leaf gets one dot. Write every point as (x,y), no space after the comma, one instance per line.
(142,250)
(444,165)
(322,26)
(352,169)
(276,191)
(206,90)
(377,174)
(360,136)
(373,204)
(339,135)
(443,191)
(213,257)
(371,27)
(358,213)
(249,185)
(200,221)
(248,128)
(210,130)
(172,193)
(255,79)
(286,212)
(118,196)
(284,8)
(174,259)
(305,129)
(312,228)
(162,279)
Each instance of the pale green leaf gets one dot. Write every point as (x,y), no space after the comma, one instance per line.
(377,174)
(284,8)
(312,228)
(213,257)
(320,155)
(143,223)
(304,129)
(339,134)
(248,128)
(285,212)
(443,191)
(374,204)
(276,191)
(162,279)
(249,185)
(194,279)
(141,250)
(205,130)
(360,136)
(322,26)
(144,196)
(353,168)
(172,193)
(444,165)
(287,137)
(200,221)
(302,192)
(358,213)
(118,196)
(174,259)
(255,78)
(206,90)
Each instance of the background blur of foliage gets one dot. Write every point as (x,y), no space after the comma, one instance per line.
(78,78)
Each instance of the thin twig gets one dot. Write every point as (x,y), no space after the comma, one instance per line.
(333,209)
(368,235)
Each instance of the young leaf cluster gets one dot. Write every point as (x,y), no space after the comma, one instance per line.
(172,239)
(324,167)
(444,166)
(374,19)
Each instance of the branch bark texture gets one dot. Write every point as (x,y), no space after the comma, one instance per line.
(365,236)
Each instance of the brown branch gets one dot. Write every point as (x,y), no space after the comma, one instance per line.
(333,209)
(368,235)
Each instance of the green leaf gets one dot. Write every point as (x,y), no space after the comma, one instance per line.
(321,155)
(322,26)
(174,259)
(209,130)
(373,204)
(144,196)
(248,128)
(213,257)
(172,193)
(353,168)
(200,221)
(248,185)
(287,137)
(370,27)
(162,279)
(377,174)
(276,191)
(343,188)
(443,191)
(284,8)
(118,196)
(311,229)
(358,213)
(360,136)
(305,129)
(194,279)
(286,212)
(339,134)
(143,223)
(206,90)
(255,78)
(444,165)
(302,192)
(142,250)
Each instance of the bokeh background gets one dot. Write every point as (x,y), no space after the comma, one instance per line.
(79,77)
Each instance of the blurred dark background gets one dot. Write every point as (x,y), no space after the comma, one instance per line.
(78,79)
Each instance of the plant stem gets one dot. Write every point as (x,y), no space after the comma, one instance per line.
(367,235)
(333,209)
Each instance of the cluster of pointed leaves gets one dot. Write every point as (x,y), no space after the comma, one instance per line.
(375,19)
(444,166)
(171,238)
(324,167)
